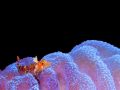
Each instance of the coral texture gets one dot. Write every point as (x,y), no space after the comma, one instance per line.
(91,65)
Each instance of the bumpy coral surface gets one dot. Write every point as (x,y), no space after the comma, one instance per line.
(91,65)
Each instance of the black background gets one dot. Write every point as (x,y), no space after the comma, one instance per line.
(41,42)
(31,32)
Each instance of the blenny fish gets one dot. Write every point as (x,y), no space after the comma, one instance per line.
(34,68)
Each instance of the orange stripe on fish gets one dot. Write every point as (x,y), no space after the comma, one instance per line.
(41,65)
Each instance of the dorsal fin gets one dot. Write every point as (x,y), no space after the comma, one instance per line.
(18,58)
(35,59)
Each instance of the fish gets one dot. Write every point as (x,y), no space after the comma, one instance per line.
(34,68)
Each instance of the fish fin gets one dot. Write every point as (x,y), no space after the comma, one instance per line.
(35,59)
(18,58)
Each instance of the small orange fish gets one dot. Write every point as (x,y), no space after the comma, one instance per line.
(34,68)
